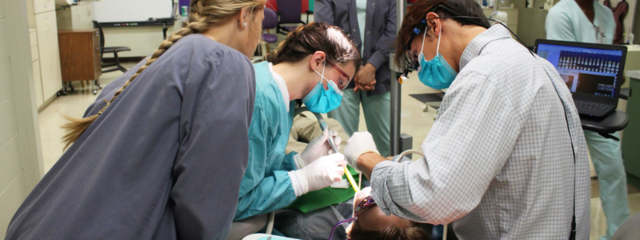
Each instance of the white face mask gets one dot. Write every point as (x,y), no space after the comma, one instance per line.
(421,54)
(435,73)
(321,100)
(330,83)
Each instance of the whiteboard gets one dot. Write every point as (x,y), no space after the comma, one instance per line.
(131,10)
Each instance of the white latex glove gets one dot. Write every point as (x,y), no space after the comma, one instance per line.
(358,144)
(317,148)
(319,174)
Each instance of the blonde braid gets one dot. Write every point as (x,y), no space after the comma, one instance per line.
(203,15)
(191,28)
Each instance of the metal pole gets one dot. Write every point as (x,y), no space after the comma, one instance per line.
(395,113)
(401,9)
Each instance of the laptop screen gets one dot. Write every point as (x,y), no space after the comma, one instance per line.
(588,71)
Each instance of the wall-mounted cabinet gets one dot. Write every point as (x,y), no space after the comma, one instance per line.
(45,55)
(40,6)
(76,17)
(66,2)
(47,31)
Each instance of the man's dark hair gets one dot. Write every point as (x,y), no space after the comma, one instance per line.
(449,8)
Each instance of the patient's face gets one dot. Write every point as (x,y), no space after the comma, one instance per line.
(373,218)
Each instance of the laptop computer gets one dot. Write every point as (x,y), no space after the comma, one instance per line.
(593,72)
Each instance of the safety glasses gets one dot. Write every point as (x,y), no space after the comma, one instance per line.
(409,63)
(342,84)
(366,203)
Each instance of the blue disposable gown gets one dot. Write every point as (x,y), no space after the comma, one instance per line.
(164,161)
(266,186)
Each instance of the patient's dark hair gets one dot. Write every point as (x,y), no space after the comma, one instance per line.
(391,233)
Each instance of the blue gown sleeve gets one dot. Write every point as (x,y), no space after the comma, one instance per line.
(214,150)
(288,164)
(274,191)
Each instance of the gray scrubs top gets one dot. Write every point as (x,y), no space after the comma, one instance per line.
(164,161)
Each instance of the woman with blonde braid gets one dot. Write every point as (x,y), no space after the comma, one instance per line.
(163,159)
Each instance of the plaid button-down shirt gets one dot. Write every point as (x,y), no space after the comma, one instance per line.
(498,160)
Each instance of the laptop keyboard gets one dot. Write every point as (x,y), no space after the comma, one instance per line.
(590,105)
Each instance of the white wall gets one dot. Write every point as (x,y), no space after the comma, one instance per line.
(145,40)
(20,154)
(131,11)
(142,40)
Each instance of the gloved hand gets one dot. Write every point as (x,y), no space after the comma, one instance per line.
(317,148)
(358,144)
(319,174)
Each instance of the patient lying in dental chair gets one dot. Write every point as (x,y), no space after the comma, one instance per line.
(369,222)
(358,218)
(315,216)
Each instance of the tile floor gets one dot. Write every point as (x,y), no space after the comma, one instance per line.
(415,122)
(52,116)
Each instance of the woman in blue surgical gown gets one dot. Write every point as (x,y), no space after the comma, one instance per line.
(137,166)
(315,63)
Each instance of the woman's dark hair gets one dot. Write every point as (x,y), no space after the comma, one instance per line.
(419,10)
(390,233)
(306,40)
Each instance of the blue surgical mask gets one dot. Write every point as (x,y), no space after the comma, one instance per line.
(436,73)
(320,100)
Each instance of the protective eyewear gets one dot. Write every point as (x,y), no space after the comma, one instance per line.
(411,64)
(342,84)
(366,203)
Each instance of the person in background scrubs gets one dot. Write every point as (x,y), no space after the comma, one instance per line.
(591,22)
(506,156)
(371,25)
(314,63)
(164,157)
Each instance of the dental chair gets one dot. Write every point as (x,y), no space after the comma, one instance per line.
(259,236)
(246,227)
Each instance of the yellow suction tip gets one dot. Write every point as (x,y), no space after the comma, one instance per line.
(351,180)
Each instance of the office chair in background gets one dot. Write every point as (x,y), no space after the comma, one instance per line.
(114,50)
(290,12)
(270,22)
